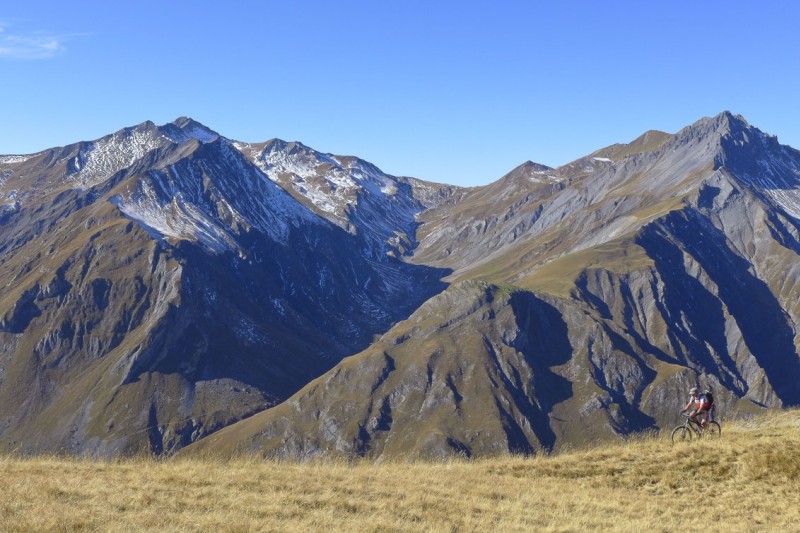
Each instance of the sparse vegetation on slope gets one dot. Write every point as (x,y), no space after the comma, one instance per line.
(748,480)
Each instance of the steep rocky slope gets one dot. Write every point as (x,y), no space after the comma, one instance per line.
(163,282)
(157,285)
(471,371)
(645,269)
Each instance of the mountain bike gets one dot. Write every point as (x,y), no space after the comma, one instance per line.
(683,433)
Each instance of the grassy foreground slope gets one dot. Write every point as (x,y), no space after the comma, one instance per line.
(748,480)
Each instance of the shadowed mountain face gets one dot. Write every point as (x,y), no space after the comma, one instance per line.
(645,269)
(159,286)
(164,282)
(463,374)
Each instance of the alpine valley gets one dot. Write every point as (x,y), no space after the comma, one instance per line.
(165,287)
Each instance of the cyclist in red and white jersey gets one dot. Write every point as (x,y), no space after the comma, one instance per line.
(699,405)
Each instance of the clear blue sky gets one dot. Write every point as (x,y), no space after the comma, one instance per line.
(457,92)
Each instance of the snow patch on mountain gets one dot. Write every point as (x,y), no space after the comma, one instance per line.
(789,201)
(543,177)
(347,191)
(107,156)
(329,182)
(781,187)
(260,201)
(330,189)
(178,219)
(212,200)
(764,165)
(9,207)
(191,131)
(103,158)
(13,159)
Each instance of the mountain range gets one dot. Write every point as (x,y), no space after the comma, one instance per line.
(165,287)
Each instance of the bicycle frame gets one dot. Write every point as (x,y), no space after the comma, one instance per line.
(693,424)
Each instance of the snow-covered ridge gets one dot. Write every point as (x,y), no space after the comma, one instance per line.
(105,157)
(12,159)
(332,184)
(349,192)
(211,200)
(319,178)
(185,129)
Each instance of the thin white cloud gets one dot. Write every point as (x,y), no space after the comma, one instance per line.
(31,45)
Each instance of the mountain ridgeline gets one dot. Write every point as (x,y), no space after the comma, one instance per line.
(166,287)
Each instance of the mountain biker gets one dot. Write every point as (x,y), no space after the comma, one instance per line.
(699,405)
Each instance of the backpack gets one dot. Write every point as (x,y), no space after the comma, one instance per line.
(709,397)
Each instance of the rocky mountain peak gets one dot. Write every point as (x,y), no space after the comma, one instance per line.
(183,129)
(730,121)
(710,129)
(294,148)
(525,174)
(184,121)
(529,167)
(758,161)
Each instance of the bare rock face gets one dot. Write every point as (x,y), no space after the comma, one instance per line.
(162,283)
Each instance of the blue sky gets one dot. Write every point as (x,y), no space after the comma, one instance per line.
(456,92)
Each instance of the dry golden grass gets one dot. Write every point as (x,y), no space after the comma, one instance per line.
(749,480)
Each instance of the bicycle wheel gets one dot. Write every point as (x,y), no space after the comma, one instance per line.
(713,430)
(681,434)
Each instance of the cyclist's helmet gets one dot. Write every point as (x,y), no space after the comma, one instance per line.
(692,390)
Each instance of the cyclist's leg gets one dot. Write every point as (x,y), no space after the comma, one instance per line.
(703,418)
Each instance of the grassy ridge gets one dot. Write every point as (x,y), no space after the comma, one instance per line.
(749,480)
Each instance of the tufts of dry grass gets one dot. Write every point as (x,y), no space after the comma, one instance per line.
(748,480)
